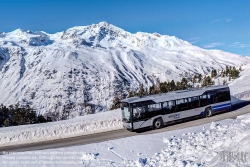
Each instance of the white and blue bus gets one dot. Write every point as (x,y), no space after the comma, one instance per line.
(155,111)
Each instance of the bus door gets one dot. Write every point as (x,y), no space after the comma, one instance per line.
(212,98)
(169,109)
(175,110)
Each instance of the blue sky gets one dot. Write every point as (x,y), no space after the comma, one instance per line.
(211,24)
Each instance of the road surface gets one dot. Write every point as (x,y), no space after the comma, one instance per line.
(111,135)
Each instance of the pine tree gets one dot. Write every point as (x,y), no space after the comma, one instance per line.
(199,78)
(207,81)
(214,73)
(163,87)
(178,86)
(194,79)
(172,86)
(227,70)
(141,91)
(19,116)
(5,111)
(41,119)
(116,103)
(151,90)
(7,122)
(234,73)
(168,86)
(183,84)
(130,94)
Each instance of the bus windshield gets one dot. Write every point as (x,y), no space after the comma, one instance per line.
(126,116)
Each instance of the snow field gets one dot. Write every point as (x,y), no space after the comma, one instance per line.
(190,147)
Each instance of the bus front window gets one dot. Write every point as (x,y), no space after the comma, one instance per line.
(126,116)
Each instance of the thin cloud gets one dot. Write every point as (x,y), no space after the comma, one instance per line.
(194,40)
(213,45)
(239,45)
(214,21)
(221,20)
(228,20)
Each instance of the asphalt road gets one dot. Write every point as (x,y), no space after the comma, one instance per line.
(239,109)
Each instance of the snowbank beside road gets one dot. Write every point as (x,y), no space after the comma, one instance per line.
(224,143)
(240,87)
(211,145)
(95,123)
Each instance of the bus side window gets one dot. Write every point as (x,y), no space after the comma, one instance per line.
(182,104)
(165,107)
(190,103)
(168,107)
(150,108)
(171,106)
(193,102)
(154,107)
(211,98)
(216,98)
(196,102)
(223,95)
(203,100)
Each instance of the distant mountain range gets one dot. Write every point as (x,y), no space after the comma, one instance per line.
(89,65)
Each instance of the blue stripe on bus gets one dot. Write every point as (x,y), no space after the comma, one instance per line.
(221,107)
(226,106)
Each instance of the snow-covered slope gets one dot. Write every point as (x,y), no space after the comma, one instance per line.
(240,87)
(92,64)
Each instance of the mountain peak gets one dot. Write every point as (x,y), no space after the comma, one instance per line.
(103,23)
(91,64)
(102,34)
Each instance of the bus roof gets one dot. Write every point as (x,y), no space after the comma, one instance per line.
(157,98)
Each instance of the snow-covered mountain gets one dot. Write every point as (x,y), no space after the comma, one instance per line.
(91,64)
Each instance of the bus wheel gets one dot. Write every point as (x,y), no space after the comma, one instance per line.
(158,123)
(208,112)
